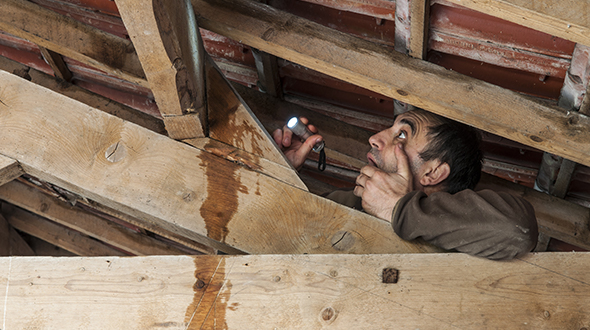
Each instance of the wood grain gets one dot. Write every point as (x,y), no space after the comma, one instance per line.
(175,186)
(433,291)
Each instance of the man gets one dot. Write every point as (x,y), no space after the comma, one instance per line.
(420,177)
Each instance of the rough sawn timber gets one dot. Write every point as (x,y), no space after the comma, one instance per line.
(422,84)
(433,291)
(173,185)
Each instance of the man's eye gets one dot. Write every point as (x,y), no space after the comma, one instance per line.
(402,135)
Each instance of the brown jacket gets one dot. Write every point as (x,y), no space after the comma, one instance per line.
(493,225)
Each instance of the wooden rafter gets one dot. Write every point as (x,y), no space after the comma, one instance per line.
(567,19)
(427,291)
(71,38)
(168,43)
(177,187)
(9,170)
(413,81)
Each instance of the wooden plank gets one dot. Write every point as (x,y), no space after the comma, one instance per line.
(71,38)
(55,234)
(175,186)
(430,291)
(85,96)
(167,41)
(419,22)
(567,19)
(9,170)
(114,234)
(422,84)
(268,73)
(57,64)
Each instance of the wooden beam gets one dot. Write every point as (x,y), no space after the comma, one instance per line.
(175,186)
(429,291)
(55,234)
(57,64)
(468,100)
(114,234)
(268,73)
(567,19)
(168,43)
(419,22)
(11,242)
(71,38)
(9,170)
(83,95)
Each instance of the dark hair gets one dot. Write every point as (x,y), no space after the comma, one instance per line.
(457,145)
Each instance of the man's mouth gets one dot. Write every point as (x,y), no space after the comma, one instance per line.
(371,159)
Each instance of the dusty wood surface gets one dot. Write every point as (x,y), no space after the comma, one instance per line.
(161,34)
(70,38)
(80,94)
(9,170)
(441,291)
(409,80)
(35,201)
(55,234)
(567,19)
(175,186)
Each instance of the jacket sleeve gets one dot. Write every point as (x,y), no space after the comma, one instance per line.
(493,225)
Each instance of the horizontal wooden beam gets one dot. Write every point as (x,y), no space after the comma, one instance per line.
(567,19)
(167,183)
(66,36)
(33,200)
(422,84)
(427,291)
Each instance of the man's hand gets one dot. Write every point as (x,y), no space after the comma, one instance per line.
(295,150)
(380,190)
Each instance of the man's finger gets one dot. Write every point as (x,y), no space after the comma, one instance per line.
(403,164)
(368,170)
(287,136)
(277,135)
(306,147)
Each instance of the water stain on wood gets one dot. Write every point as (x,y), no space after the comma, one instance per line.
(223,185)
(207,311)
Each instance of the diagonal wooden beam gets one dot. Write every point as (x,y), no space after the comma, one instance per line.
(68,37)
(428,291)
(57,64)
(177,187)
(485,106)
(11,242)
(567,19)
(114,234)
(168,43)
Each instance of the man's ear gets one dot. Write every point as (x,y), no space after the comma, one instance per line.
(435,174)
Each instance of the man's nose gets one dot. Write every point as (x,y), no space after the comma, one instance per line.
(376,141)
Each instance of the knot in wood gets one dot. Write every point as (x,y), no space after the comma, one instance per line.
(328,314)
(115,152)
(343,241)
(390,275)
(200,284)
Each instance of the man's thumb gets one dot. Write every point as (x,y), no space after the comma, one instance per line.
(403,164)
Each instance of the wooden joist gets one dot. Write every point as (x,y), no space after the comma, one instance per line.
(174,186)
(567,19)
(425,291)
(66,36)
(167,40)
(11,242)
(55,234)
(35,201)
(468,100)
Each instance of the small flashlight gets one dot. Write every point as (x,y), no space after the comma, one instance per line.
(301,130)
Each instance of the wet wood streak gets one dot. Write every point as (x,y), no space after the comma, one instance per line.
(223,185)
(212,291)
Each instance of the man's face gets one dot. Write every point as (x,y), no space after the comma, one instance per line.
(410,129)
